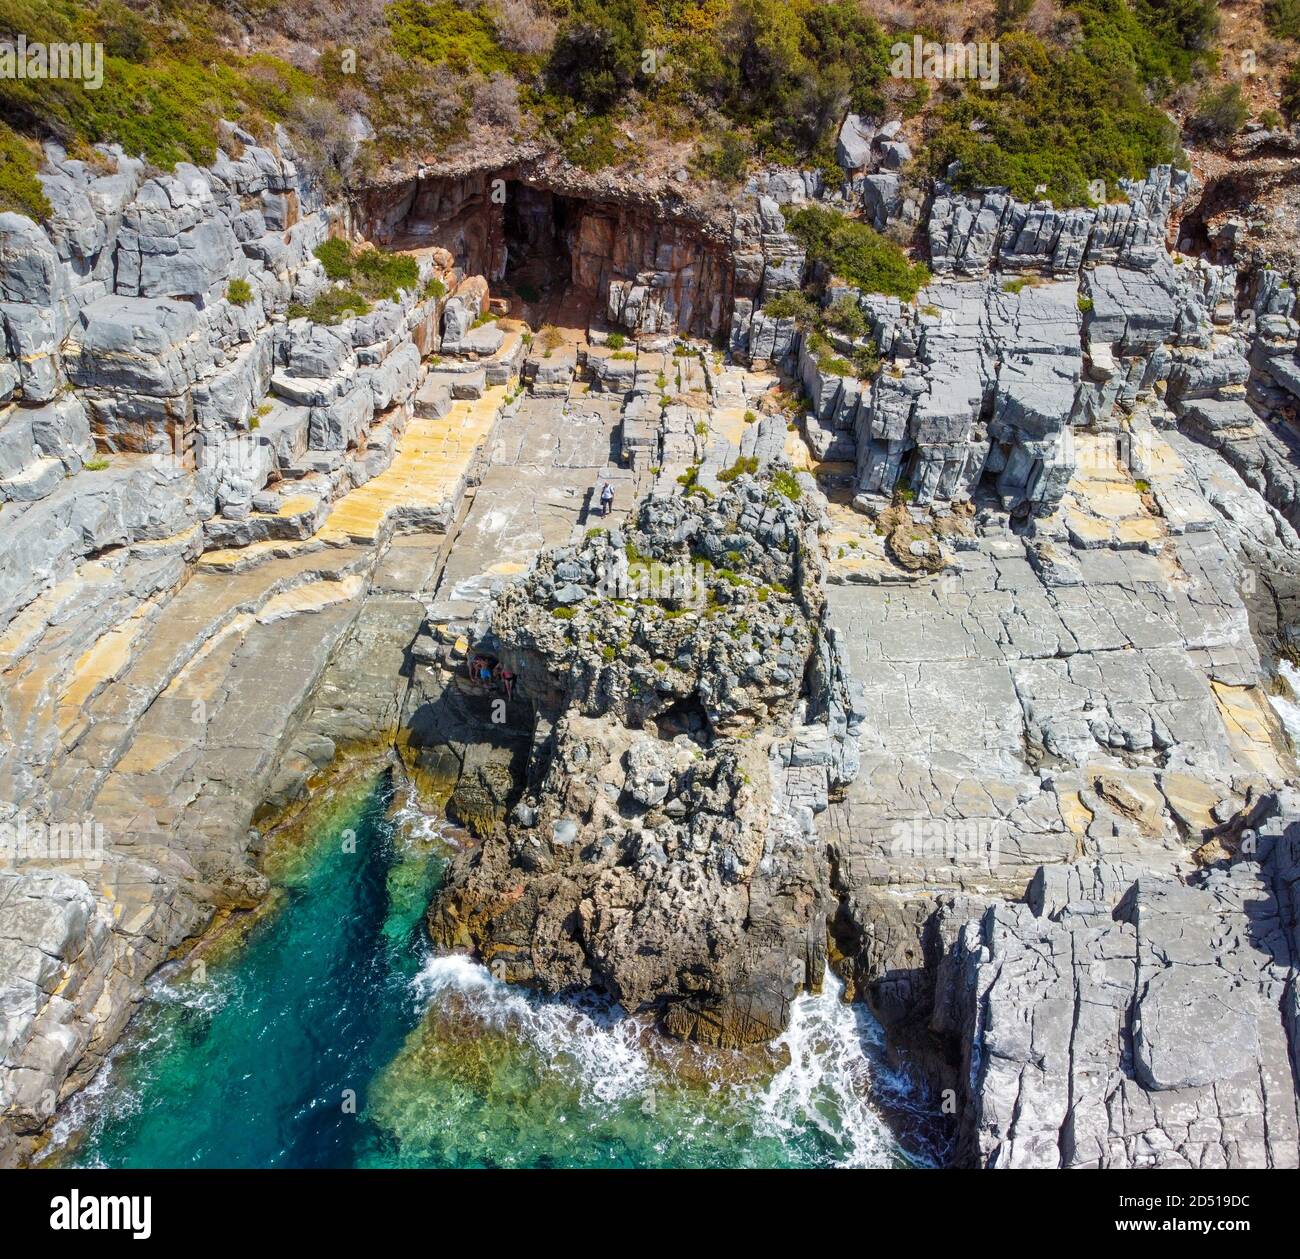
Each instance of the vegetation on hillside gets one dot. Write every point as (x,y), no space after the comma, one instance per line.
(1064,117)
(738,80)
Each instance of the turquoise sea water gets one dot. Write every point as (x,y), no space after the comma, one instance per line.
(329,1036)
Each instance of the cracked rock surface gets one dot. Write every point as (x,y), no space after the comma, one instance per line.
(667,854)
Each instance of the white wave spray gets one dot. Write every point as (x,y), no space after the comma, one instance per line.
(828,1087)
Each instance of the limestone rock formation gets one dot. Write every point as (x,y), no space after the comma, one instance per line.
(1135,1023)
(666,853)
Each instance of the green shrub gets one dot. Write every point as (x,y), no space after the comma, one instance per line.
(845,315)
(240,292)
(335,256)
(792,305)
(787,483)
(1282,17)
(616,340)
(333,306)
(783,72)
(1289,92)
(1270,119)
(857,253)
(725,160)
(1061,118)
(381,274)
(20,190)
(435,288)
(745,464)
(371,273)
(866,360)
(1220,112)
(596,58)
(444,33)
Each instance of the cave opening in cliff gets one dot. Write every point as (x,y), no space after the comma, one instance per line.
(686,716)
(539,227)
(564,258)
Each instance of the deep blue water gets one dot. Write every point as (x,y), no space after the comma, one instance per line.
(328,1036)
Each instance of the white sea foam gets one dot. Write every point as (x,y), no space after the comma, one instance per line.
(106,1097)
(829,1080)
(597,1046)
(1287,707)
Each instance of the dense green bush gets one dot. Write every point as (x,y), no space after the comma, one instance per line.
(786,70)
(20,190)
(724,160)
(597,57)
(336,257)
(1058,120)
(1282,17)
(1289,92)
(793,305)
(857,253)
(1220,112)
(373,273)
(332,306)
(442,32)
(845,315)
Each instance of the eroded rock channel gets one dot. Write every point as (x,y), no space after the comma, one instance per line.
(953,674)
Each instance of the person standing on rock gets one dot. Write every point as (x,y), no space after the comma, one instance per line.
(606,498)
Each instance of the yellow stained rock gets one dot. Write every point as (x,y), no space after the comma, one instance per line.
(429,466)
(192,681)
(310,597)
(1074,813)
(149,753)
(1253,729)
(1190,799)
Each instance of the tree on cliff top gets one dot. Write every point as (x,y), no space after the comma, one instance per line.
(598,54)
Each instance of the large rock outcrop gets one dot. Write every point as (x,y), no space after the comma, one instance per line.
(665,852)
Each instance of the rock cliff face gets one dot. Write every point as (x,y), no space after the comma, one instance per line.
(163,399)
(1108,1022)
(666,854)
(653,268)
(128,333)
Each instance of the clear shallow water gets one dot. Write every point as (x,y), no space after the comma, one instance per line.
(333,990)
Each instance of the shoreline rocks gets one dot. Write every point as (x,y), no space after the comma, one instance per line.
(666,854)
